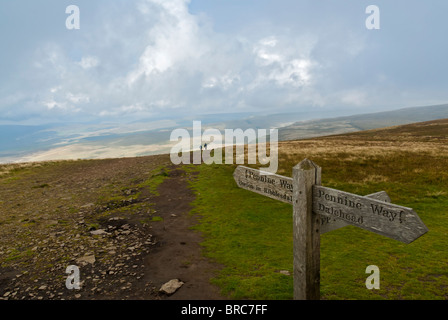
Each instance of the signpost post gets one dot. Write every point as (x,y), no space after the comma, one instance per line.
(318,209)
(306,232)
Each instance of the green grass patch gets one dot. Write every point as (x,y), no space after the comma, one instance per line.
(119,198)
(10,179)
(251,235)
(16,254)
(93,226)
(157,176)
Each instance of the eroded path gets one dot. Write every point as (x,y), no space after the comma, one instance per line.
(101,216)
(177,254)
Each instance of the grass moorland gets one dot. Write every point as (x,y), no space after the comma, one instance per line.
(251,235)
(48,211)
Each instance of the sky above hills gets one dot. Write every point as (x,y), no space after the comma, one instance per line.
(152,59)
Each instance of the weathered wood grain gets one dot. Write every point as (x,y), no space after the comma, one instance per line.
(280,188)
(270,185)
(332,223)
(391,220)
(306,233)
(382,196)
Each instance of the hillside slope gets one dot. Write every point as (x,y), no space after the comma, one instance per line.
(252,235)
(54,214)
(323,127)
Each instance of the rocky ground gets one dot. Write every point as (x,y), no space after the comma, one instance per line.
(124,223)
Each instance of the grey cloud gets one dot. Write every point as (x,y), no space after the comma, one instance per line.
(143,58)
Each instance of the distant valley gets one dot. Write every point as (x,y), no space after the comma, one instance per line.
(20,143)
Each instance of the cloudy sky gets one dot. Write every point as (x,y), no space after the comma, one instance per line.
(146,59)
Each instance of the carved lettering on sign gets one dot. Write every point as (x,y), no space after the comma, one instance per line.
(391,220)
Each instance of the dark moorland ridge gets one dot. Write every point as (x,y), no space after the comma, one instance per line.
(355,123)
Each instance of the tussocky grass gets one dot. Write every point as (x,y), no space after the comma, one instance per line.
(251,235)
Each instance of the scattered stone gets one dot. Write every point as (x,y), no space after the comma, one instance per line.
(86,260)
(285,272)
(171,286)
(109,254)
(115,219)
(98,232)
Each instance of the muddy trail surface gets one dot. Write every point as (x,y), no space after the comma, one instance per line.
(177,254)
(104,217)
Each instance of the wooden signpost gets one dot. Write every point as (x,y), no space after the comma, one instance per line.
(318,209)
(391,220)
(280,188)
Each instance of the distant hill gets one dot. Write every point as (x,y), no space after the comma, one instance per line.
(339,125)
(433,131)
(107,140)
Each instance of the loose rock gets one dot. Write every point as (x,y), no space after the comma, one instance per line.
(171,286)
(86,260)
(98,232)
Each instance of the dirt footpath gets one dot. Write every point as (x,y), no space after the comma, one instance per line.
(177,254)
(100,216)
